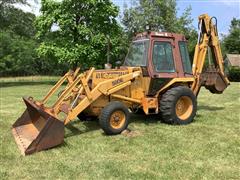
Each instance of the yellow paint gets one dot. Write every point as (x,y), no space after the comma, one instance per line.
(184,107)
(209,38)
(117,119)
(92,90)
(174,81)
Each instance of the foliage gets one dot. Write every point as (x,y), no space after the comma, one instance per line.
(232,41)
(17,55)
(17,21)
(10,2)
(77,32)
(18,44)
(74,33)
(160,15)
(10,16)
(184,26)
(234,74)
(231,44)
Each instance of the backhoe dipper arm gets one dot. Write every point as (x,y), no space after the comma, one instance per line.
(207,37)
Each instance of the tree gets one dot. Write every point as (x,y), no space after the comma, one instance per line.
(231,42)
(77,32)
(160,15)
(6,12)
(17,55)
(19,22)
(18,44)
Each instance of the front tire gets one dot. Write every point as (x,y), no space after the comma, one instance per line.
(114,118)
(178,106)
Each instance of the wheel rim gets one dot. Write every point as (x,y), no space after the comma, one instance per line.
(117,119)
(184,107)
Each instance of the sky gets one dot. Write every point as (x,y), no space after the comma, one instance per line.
(224,10)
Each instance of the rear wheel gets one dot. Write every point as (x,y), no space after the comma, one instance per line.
(178,106)
(114,118)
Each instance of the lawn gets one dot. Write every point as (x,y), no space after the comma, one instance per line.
(209,148)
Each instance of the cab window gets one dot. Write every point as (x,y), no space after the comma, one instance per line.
(187,67)
(163,57)
(138,53)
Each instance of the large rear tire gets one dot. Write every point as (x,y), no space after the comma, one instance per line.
(114,118)
(178,106)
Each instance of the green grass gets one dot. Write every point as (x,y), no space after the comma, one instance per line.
(209,148)
(28,79)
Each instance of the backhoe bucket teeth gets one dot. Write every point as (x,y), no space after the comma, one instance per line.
(37,130)
(214,81)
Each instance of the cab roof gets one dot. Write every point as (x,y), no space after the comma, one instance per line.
(152,34)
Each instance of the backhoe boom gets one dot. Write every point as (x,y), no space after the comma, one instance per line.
(214,78)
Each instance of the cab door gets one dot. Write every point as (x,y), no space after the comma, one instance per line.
(162,66)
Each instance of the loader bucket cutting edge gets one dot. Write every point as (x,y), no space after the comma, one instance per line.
(37,130)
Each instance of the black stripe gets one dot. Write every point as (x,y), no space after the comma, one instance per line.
(156,84)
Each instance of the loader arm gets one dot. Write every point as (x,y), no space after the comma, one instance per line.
(214,78)
(106,88)
(41,126)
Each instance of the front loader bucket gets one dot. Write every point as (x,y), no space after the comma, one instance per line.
(37,130)
(214,81)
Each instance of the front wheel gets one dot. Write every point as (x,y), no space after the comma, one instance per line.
(178,105)
(114,118)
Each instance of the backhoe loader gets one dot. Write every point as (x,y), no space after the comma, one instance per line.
(157,77)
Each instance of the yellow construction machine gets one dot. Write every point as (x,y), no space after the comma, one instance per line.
(157,77)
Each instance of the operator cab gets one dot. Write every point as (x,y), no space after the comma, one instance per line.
(164,55)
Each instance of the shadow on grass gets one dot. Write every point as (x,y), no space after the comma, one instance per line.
(210,108)
(140,118)
(93,125)
(26,83)
(146,119)
(89,126)
(63,144)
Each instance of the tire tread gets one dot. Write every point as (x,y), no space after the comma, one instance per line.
(106,113)
(166,104)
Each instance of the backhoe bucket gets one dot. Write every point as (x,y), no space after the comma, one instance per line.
(36,129)
(214,81)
